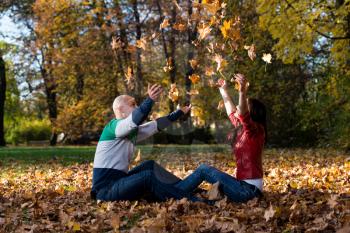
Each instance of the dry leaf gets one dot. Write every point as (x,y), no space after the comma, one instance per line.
(138,156)
(221,63)
(251,51)
(179,26)
(267,57)
(209,71)
(164,24)
(194,78)
(269,213)
(115,222)
(141,43)
(173,93)
(116,43)
(221,105)
(214,192)
(203,31)
(193,63)
(193,92)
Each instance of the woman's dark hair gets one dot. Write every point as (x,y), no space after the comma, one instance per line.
(257,112)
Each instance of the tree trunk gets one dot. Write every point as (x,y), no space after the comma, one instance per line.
(171,56)
(80,83)
(124,39)
(50,91)
(2,99)
(172,43)
(139,76)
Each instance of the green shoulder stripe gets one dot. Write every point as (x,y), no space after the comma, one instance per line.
(108,132)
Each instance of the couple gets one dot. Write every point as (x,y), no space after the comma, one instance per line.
(113,181)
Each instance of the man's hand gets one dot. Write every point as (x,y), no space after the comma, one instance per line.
(185,109)
(242,81)
(154,91)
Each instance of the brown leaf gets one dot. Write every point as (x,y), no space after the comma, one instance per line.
(164,24)
(214,192)
(269,213)
(251,51)
(115,222)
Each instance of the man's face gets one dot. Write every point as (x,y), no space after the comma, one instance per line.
(129,106)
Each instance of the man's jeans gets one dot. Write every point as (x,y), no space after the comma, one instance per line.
(144,179)
(235,190)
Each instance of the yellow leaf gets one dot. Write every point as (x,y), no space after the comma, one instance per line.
(76,226)
(293,185)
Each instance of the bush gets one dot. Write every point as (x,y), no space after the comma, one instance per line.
(28,130)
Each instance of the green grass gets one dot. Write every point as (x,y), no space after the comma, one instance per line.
(81,154)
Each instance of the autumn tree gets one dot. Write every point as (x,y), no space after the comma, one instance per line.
(2,98)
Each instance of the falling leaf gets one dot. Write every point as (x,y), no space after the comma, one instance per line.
(179,26)
(164,24)
(116,43)
(212,7)
(193,63)
(221,105)
(267,57)
(209,71)
(269,213)
(129,75)
(169,65)
(225,28)
(141,43)
(251,51)
(194,78)
(221,63)
(193,92)
(203,31)
(173,93)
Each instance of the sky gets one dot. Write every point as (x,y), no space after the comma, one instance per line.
(8,29)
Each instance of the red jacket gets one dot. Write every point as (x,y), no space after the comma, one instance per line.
(248,147)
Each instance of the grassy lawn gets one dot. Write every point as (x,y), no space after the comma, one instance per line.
(81,154)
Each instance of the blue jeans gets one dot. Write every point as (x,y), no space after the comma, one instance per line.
(235,190)
(143,181)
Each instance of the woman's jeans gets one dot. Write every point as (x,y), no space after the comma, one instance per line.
(235,190)
(147,179)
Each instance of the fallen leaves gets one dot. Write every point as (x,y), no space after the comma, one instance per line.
(29,202)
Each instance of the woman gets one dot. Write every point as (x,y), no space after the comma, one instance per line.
(249,121)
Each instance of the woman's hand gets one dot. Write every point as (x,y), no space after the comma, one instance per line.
(242,81)
(222,83)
